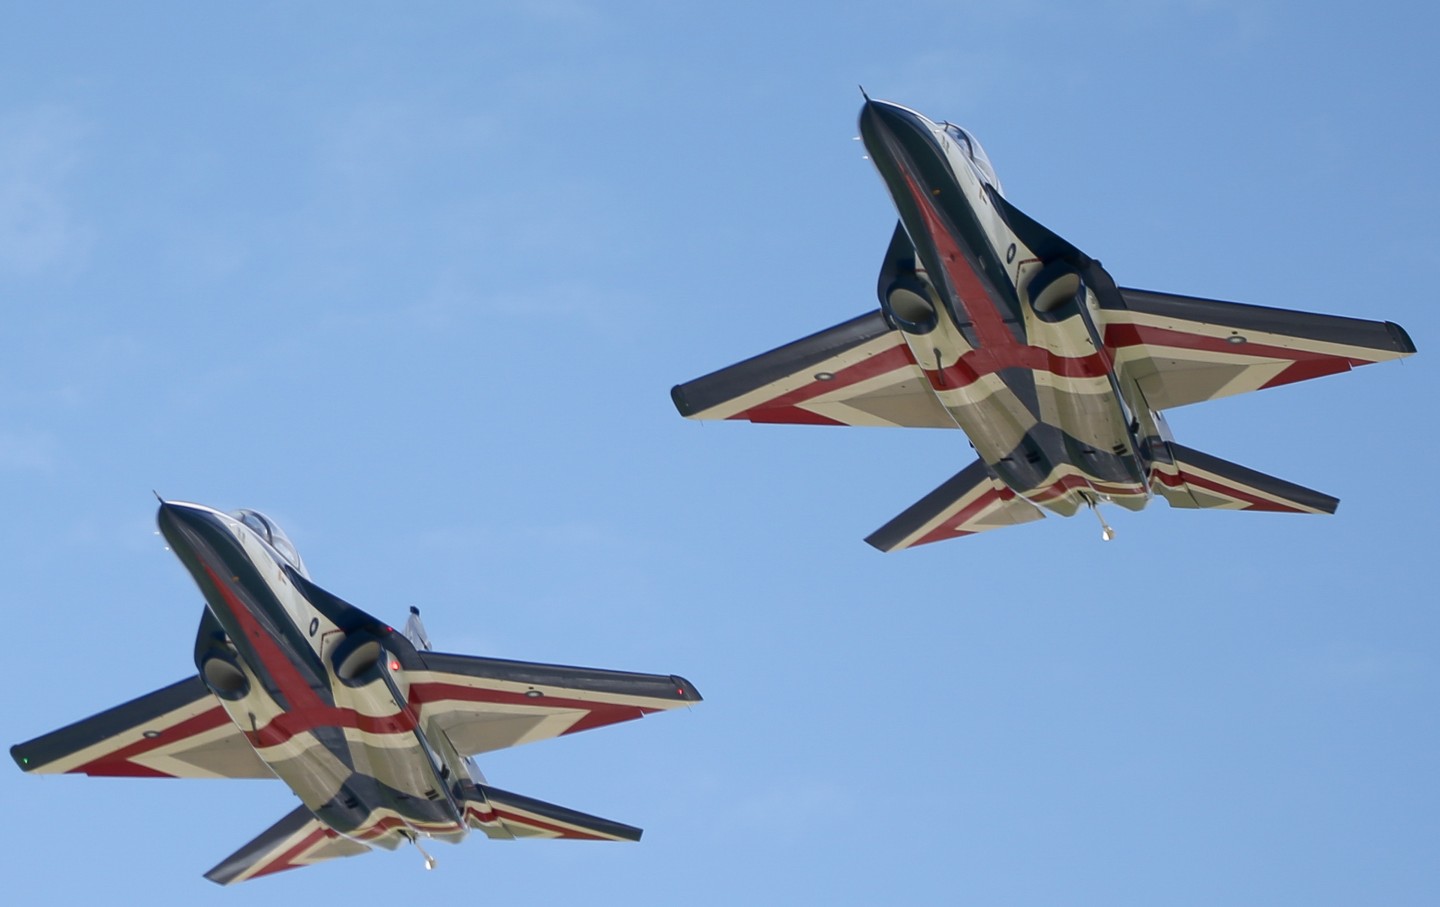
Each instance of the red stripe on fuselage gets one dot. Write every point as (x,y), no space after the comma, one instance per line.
(1066,484)
(386,824)
(975,364)
(295,688)
(305,710)
(974,298)
(999,349)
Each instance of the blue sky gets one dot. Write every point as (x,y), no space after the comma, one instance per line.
(416,281)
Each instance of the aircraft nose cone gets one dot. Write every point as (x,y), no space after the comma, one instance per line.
(173,512)
(891,118)
(896,136)
(179,521)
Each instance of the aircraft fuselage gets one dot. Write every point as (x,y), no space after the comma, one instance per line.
(316,686)
(994,324)
(1010,348)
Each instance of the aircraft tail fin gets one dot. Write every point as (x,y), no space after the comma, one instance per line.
(297,840)
(501,814)
(971,501)
(1195,479)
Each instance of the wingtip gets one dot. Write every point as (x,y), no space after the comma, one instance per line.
(879,543)
(23,761)
(682,404)
(1403,344)
(685,690)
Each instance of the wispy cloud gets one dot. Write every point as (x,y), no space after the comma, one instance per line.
(806,804)
(1356,666)
(40,149)
(566,535)
(385,142)
(28,451)
(1238,22)
(572,14)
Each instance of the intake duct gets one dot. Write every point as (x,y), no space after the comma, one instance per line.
(906,296)
(909,304)
(356,657)
(222,674)
(1053,288)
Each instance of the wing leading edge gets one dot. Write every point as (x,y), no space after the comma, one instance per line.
(178,731)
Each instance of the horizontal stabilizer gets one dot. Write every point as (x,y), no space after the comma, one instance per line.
(501,814)
(297,840)
(971,501)
(1197,479)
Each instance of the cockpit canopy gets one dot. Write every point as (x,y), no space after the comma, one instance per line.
(273,536)
(977,154)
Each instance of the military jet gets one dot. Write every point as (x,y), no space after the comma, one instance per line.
(993,324)
(373,733)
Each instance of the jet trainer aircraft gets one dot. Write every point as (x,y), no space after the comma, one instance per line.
(373,733)
(992,324)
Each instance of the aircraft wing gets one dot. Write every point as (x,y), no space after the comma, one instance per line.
(485,704)
(179,731)
(297,840)
(1184,350)
(856,373)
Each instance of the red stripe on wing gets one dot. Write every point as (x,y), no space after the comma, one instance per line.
(286,860)
(118,764)
(950,528)
(1119,335)
(598,714)
(501,815)
(784,408)
(1239,492)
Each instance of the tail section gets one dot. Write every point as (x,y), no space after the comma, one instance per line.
(1195,479)
(971,501)
(501,814)
(297,840)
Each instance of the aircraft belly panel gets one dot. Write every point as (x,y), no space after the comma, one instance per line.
(1092,419)
(358,765)
(996,425)
(312,771)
